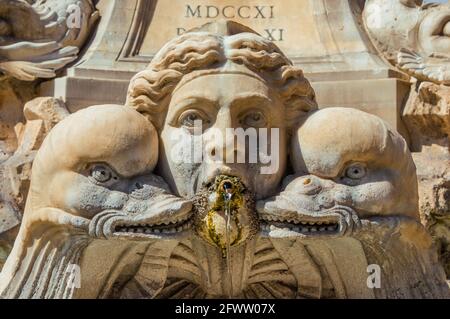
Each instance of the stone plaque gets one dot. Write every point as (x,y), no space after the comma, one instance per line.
(294,25)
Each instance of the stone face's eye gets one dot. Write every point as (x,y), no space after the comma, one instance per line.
(355,171)
(101,173)
(189,118)
(254,119)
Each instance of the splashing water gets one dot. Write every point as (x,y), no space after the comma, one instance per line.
(227,205)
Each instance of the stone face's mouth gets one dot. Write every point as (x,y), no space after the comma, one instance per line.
(335,222)
(225,173)
(224,212)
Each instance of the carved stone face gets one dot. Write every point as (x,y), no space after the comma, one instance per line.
(220,101)
(351,166)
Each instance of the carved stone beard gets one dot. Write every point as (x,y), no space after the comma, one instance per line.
(48,267)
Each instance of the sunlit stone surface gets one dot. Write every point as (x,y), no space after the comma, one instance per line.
(119,179)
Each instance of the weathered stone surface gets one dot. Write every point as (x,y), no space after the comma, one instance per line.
(355,177)
(427,116)
(433,169)
(5,249)
(220,226)
(122,197)
(41,115)
(413,36)
(12,97)
(120,157)
(40,37)
(325,38)
(37,40)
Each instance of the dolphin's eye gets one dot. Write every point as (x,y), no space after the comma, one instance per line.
(355,171)
(101,173)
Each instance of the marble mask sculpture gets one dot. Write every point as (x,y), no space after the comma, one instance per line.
(110,197)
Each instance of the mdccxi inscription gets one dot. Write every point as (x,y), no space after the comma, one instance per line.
(230,12)
(235,12)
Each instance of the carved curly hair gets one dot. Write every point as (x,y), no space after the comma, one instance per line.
(200,50)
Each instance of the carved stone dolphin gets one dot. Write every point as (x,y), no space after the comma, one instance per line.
(352,203)
(91,187)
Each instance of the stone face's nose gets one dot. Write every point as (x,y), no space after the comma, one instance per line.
(222,144)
